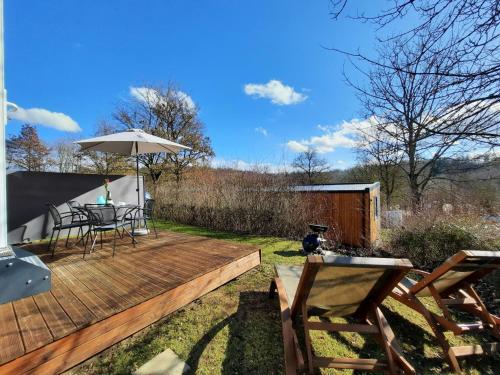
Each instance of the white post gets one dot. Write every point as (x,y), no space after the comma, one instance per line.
(22,273)
(4,249)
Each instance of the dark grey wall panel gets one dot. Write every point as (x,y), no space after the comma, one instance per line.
(29,192)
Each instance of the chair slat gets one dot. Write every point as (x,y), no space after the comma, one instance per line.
(488,348)
(350,363)
(343,327)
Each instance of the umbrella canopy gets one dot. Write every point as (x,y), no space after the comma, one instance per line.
(131,142)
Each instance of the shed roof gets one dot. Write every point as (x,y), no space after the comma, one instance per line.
(337,187)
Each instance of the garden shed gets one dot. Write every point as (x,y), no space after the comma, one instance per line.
(351,211)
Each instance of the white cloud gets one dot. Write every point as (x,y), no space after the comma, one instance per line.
(276,91)
(150,95)
(186,99)
(231,164)
(243,165)
(344,135)
(143,94)
(297,146)
(40,116)
(481,153)
(262,131)
(342,164)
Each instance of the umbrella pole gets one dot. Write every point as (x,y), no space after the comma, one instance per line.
(137,174)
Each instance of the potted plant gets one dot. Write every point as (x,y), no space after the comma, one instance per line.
(107,181)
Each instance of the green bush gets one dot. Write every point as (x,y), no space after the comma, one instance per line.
(429,241)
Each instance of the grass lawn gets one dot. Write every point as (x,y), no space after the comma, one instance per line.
(236,329)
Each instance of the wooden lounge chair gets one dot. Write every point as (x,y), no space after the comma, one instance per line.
(451,286)
(338,286)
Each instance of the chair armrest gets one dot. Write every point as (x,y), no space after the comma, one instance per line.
(131,213)
(67,216)
(81,213)
(294,360)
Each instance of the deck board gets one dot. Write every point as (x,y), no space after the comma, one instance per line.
(166,276)
(97,301)
(10,337)
(56,319)
(79,314)
(147,280)
(119,289)
(100,286)
(91,301)
(126,283)
(34,331)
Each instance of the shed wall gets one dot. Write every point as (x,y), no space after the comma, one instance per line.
(352,217)
(342,212)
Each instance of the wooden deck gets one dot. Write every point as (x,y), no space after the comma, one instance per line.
(101,300)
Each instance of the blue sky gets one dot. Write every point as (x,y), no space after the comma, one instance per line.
(80,58)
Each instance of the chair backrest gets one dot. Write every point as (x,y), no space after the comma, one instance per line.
(344,286)
(77,210)
(74,206)
(101,215)
(149,206)
(465,267)
(54,213)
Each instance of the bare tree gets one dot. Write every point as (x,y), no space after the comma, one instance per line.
(27,151)
(105,163)
(67,157)
(310,164)
(459,39)
(168,113)
(384,156)
(407,113)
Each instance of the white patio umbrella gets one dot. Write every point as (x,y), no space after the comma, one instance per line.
(131,142)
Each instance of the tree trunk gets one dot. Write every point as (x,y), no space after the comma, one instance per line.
(416,197)
(387,199)
(155,177)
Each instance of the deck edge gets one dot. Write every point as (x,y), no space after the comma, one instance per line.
(79,346)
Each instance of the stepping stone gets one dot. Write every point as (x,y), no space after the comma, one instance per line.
(165,363)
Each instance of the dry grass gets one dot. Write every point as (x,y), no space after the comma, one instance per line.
(235,201)
(429,238)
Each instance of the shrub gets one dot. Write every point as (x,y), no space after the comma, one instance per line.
(234,201)
(428,240)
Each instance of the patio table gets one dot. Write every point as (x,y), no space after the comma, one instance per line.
(123,210)
(103,222)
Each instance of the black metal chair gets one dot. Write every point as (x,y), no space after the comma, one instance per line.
(74,206)
(104,219)
(143,215)
(79,216)
(62,221)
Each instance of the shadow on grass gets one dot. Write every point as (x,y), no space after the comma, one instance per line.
(196,352)
(254,343)
(289,254)
(413,338)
